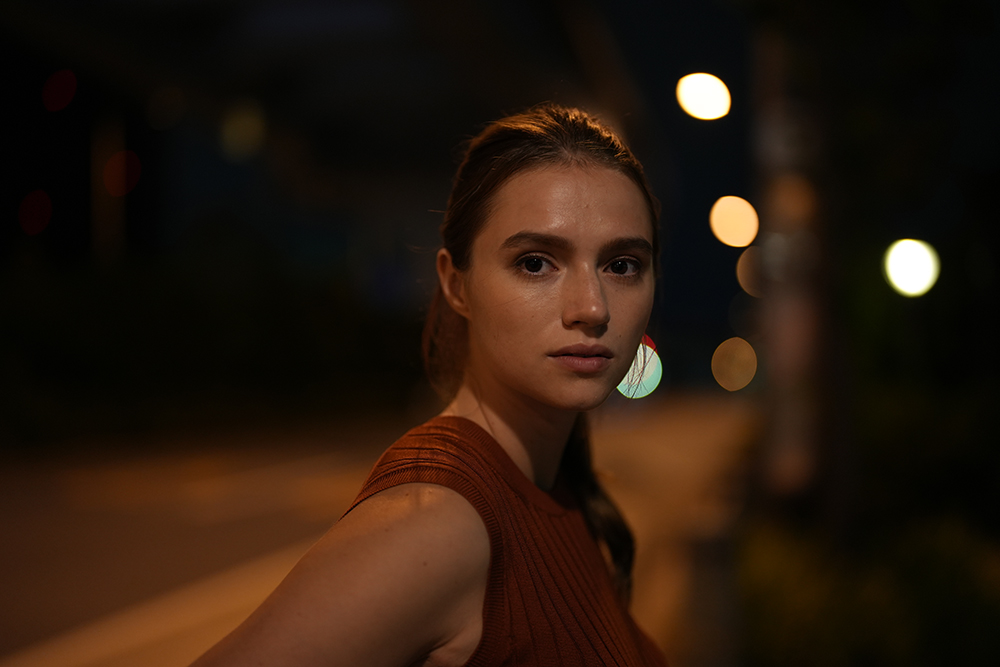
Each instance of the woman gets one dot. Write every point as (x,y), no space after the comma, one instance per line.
(483,537)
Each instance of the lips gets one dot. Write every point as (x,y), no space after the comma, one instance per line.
(581,358)
(583,350)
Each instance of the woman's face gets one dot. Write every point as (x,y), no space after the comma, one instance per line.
(559,287)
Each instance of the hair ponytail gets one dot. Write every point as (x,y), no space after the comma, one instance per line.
(605,521)
(444,346)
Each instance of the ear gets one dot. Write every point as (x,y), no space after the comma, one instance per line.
(452,283)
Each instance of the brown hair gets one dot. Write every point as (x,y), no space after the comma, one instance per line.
(542,136)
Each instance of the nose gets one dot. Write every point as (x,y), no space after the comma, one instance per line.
(584,302)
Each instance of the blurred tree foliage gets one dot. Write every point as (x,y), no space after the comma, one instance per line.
(224,331)
(230,304)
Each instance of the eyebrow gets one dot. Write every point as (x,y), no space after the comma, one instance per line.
(635,244)
(614,246)
(534,238)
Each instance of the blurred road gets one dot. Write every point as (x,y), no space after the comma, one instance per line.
(147,553)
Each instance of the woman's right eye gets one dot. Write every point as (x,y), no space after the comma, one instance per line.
(534,264)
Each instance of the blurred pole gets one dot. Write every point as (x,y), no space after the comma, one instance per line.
(786,152)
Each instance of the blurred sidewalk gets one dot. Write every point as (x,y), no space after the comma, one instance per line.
(676,467)
(123,560)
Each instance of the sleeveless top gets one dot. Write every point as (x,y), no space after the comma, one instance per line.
(550,599)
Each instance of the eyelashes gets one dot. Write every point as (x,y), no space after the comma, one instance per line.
(625,267)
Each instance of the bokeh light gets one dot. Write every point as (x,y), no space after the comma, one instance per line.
(645,373)
(242,132)
(734,364)
(911,267)
(58,90)
(734,221)
(121,173)
(35,212)
(748,271)
(703,96)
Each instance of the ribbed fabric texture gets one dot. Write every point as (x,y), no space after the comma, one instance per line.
(549,597)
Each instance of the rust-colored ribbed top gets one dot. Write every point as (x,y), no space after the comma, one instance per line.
(549,597)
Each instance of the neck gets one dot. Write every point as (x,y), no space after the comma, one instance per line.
(534,436)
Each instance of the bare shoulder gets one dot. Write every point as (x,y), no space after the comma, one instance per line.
(437,511)
(400,578)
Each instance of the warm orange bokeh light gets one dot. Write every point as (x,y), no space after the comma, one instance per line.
(734,364)
(748,272)
(734,221)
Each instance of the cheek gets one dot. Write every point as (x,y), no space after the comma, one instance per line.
(506,316)
(633,309)
(511,320)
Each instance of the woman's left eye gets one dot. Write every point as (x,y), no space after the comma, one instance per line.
(623,266)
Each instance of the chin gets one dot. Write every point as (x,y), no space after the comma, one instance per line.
(582,401)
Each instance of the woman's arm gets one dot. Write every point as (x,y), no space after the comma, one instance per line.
(401,577)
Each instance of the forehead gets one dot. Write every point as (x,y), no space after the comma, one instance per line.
(580,203)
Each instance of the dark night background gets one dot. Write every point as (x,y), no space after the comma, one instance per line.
(288,285)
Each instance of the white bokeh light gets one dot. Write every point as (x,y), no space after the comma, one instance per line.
(911,267)
(703,96)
